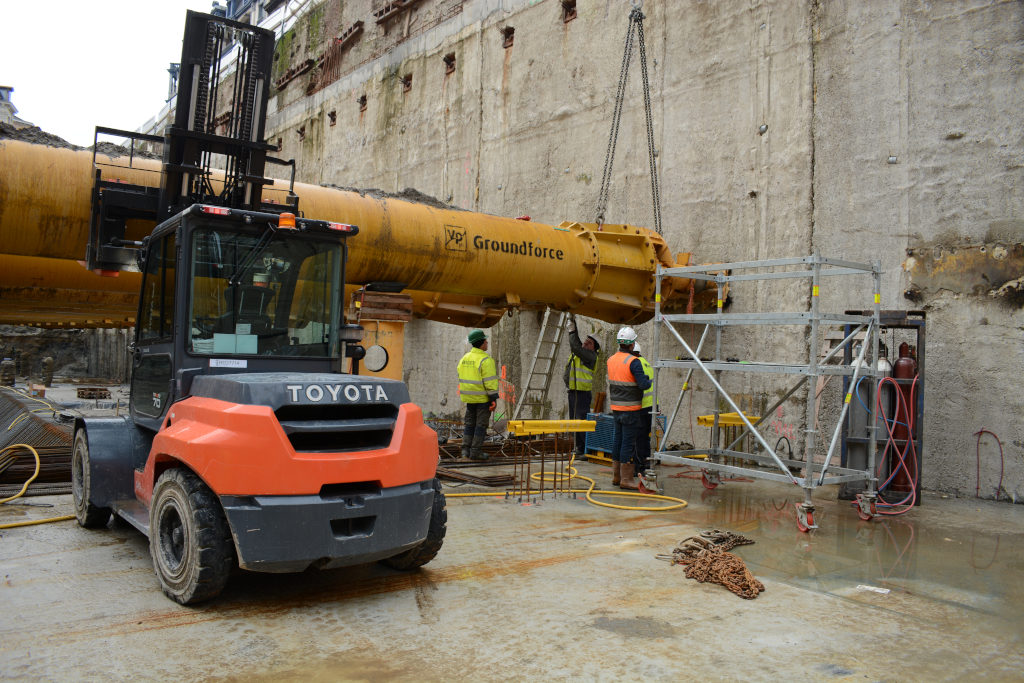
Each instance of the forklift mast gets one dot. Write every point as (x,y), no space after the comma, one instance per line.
(211,158)
(193,144)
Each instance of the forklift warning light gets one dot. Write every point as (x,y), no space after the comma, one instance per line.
(286,220)
(343,227)
(216,210)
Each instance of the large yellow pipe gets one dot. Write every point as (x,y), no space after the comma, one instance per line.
(45,197)
(482,263)
(49,292)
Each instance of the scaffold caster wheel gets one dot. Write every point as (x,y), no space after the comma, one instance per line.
(648,482)
(710,481)
(866,509)
(805,518)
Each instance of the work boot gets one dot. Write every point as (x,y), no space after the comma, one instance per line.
(477,449)
(465,450)
(616,472)
(626,475)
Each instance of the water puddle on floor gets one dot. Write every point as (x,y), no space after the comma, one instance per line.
(956,553)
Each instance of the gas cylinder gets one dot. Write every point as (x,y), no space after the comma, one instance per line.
(861,408)
(859,418)
(886,397)
(905,368)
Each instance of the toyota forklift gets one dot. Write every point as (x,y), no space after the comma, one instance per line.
(245,442)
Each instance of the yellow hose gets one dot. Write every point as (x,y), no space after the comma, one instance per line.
(31,398)
(571,474)
(25,488)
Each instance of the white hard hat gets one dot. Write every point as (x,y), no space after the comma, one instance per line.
(626,335)
(636,347)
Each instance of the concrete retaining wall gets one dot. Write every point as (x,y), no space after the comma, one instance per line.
(864,130)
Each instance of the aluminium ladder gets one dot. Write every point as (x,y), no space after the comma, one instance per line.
(535,392)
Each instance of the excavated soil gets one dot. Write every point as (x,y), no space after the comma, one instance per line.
(37,136)
(34,135)
(114,151)
(408,194)
(28,346)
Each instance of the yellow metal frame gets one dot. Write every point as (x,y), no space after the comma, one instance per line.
(725,419)
(535,427)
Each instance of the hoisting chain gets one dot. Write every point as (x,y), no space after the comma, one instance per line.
(636,17)
(707,560)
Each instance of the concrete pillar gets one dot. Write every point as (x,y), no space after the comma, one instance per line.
(7,373)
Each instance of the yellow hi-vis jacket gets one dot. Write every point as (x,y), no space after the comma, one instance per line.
(478,377)
(648,399)
(581,378)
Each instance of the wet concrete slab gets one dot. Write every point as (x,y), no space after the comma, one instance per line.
(557,589)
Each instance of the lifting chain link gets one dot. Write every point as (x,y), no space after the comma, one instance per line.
(707,560)
(636,18)
(715,565)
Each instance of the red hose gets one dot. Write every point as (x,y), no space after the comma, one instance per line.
(909,449)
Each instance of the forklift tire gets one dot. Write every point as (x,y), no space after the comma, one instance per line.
(89,516)
(189,538)
(428,549)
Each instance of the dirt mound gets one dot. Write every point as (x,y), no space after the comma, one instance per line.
(114,151)
(408,195)
(35,135)
(27,346)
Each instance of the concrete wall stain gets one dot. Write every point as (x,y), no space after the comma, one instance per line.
(993,270)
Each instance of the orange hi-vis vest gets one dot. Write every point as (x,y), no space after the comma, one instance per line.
(623,391)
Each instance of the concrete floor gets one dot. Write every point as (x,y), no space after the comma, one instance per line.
(557,590)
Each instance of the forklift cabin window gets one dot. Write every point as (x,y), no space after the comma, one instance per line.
(251,296)
(156,311)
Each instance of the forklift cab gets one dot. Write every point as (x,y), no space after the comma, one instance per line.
(231,290)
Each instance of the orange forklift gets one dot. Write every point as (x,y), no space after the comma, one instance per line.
(246,442)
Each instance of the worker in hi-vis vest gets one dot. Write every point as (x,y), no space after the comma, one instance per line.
(579,378)
(643,445)
(626,386)
(478,389)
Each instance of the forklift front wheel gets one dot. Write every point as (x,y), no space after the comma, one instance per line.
(89,516)
(428,549)
(189,538)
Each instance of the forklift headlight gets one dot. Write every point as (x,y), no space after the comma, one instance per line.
(351,333)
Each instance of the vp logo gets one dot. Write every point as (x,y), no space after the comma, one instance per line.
(455,238)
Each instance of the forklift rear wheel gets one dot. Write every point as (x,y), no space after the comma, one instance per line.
(428,549)
(89,516)
(189,538)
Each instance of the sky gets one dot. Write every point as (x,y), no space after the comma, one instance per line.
(75,65)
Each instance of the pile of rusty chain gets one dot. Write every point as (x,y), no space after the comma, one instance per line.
(707,559)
